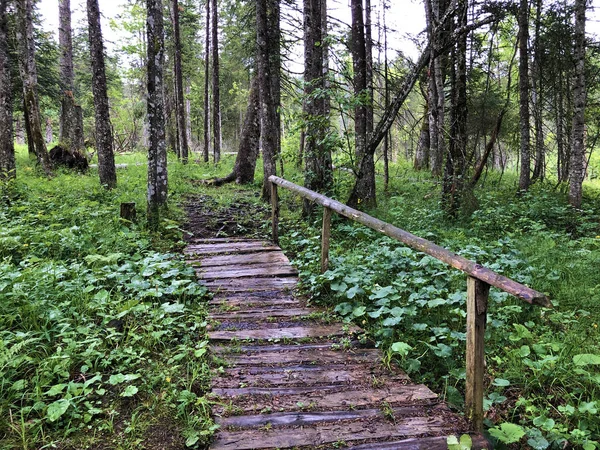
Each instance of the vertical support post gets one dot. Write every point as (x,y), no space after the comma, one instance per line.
(325,235)
(477,299)
(274,214)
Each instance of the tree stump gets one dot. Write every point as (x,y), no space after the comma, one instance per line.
(128,212)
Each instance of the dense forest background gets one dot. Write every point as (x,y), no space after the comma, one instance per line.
(480,135)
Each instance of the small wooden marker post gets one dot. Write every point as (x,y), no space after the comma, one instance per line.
(325,235)
(477,299)
(274,214)
(128,211)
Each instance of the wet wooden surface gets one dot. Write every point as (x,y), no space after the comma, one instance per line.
(293,377)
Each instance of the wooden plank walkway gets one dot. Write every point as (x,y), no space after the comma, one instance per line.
(296,378)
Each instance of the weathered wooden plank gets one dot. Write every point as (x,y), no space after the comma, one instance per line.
(252,300)
(325,237)
(317,356)
(263,313)
(347,432)
(250,285)
(222,240)
(358,374)
(256,270)
(423,443)
(318,417)
(229,247)
(242,259)
(289,346)
(280,333)
(251,400)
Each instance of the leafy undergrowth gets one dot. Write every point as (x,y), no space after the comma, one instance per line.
(543,365)
(102,337)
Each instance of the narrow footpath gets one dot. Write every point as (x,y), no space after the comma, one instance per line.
(296,377)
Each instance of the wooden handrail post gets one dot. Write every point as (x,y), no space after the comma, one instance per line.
(325,235)
(274,214)
(477,299)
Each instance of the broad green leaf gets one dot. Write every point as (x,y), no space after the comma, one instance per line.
(501,382)
(588,407)
(436,302)
(56,389)
(173,307)
(101,295)
(586,359)
(402,348)
(507,433)
(57,409)
(129,391)
(544,423)
(359,311)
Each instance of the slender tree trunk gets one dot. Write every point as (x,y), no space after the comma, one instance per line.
(421,161)
(247,155)
(577,163)
(537,91)
(104,137)
(369,68)
(453,182)
(215,84)
(157,151)
(318,172)
(19,130)
(364,194)
(206,85)
(71,116)
(180,110)
(525,150)
(188,116)
(28,72)
(274,30)
(386,140)
(267,113)
(8,168)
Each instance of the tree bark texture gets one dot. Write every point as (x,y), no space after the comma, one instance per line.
(454,169)
(318,172)
(525,150)
(206,85)
(7,148)
(538,99)
(180,110)
(365,193)
(216,97)
(247,155)
(104,137)
(274,30)
(157,151)
(267,111)
(28,73)
(70,133)
(577,163)
(369,68)
(434,10)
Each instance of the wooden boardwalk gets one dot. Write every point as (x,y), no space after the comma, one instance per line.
(293,376)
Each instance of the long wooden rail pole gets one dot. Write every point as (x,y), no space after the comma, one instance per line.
(469,267)
(479,280)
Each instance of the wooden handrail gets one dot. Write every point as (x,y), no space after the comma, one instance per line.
(479,280)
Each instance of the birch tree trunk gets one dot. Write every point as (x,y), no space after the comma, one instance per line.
(157,151)
(180,110)
(206,85)
(216,96)
(7,149)
(71,116)
(268,122)
(364,192)
(104,137)
(318,171)
(525,150)
(28,73)
(577,163)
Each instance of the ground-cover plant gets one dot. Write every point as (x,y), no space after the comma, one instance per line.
(543,365)
(102,337)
